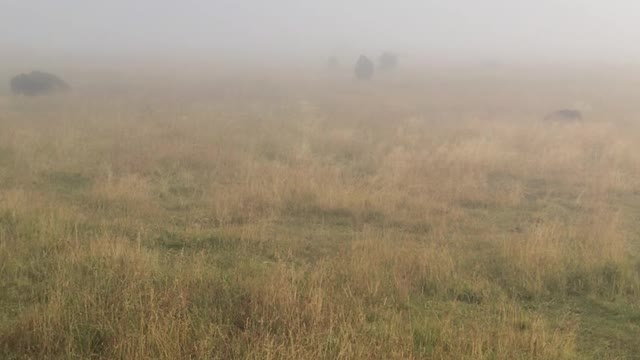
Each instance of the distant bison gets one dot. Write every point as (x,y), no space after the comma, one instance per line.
(388,61)
(333,63)
(38,83)
(565,116)
(364,68)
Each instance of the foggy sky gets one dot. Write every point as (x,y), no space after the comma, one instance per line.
(499,30)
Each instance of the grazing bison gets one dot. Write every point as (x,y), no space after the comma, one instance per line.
(333,63)
(364,68)
(38,83)
(565,116)
(388,61)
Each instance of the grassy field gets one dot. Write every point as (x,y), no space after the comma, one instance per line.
(427,215)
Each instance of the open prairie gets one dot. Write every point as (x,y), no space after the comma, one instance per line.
(281,214)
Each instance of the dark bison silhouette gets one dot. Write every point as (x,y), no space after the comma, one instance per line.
(38,83)
(364,68)
(388,61)
(565,116)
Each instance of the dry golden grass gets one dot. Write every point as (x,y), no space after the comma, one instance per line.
(298,217)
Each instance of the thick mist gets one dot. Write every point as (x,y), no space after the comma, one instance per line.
(494,30)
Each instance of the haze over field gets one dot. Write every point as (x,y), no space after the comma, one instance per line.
(319,179)
(491,30)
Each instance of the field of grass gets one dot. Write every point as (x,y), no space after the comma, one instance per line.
(264,216)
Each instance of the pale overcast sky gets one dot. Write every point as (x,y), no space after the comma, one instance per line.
(500,30)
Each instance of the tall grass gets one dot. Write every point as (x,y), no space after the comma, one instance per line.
(328,221)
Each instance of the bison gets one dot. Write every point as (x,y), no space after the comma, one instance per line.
(565,116)
(364,68)
(333,63)
(388,61)
(38,83)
